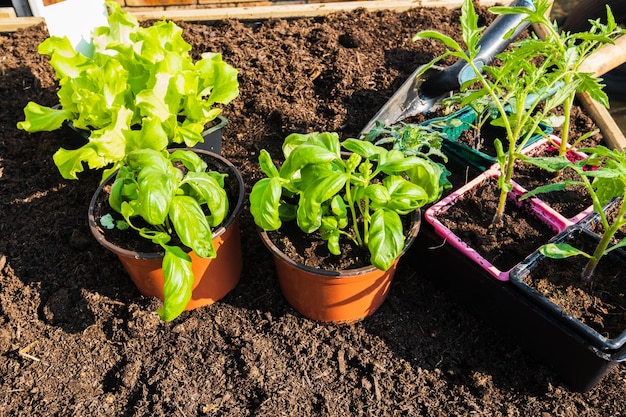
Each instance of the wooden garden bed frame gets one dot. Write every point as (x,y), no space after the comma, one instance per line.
(261,12)
(611,131)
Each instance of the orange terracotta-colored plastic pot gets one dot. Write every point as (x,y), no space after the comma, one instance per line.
(334,296)
(213,277)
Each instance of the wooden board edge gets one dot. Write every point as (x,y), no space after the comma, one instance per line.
(297,10)
(12,24)
(263,12)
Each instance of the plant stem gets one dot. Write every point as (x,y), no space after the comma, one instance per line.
(599,252)
(567,111)
(607,236)
(357,235)
(504,189)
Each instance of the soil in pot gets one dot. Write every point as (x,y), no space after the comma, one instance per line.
(568,202)
(601,304)
(330,288)
(611,212)
(130,240)
(312,251)
(470,219)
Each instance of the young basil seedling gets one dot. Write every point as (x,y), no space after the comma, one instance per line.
(172,194)
(359,195)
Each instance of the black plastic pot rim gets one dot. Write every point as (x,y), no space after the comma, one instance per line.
(95,228)
(416,223)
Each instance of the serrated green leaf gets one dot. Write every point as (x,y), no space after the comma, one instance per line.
(41,118)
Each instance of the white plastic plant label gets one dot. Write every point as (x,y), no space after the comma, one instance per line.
(75,19)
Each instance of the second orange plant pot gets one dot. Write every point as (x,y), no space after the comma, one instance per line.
(335,296)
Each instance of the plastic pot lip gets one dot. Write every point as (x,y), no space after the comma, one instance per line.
(93,226)
(604,344)
(592,217)
(347,273)
(557,222)
(476,158)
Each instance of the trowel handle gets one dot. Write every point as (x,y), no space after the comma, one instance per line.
(492,42)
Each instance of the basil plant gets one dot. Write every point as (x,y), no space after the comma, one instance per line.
(161,195)
(352,189)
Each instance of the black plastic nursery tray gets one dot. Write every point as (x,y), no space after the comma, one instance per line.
(578,364)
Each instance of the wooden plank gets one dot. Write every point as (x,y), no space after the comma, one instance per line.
(7,12)
(265,12)
(298,10)
(235,3)
(133,3)
(14,23)
(611,132)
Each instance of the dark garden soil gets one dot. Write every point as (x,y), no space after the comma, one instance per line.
(600,303)
(568,202)
(76,338)
(519,234)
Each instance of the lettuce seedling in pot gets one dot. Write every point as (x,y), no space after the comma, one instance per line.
(140,89)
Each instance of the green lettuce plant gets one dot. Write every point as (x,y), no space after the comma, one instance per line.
(603,175)
(526,84)
(140,89)
(166,195)
(344,189)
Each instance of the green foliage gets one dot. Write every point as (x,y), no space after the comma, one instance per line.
(603,175)
(530,79)
(171,193)
(566,52)
(419,140)
(360,196)
(410,139)
(140,89)
(482,106)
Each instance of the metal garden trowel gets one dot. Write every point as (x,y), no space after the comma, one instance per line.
(421,92)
